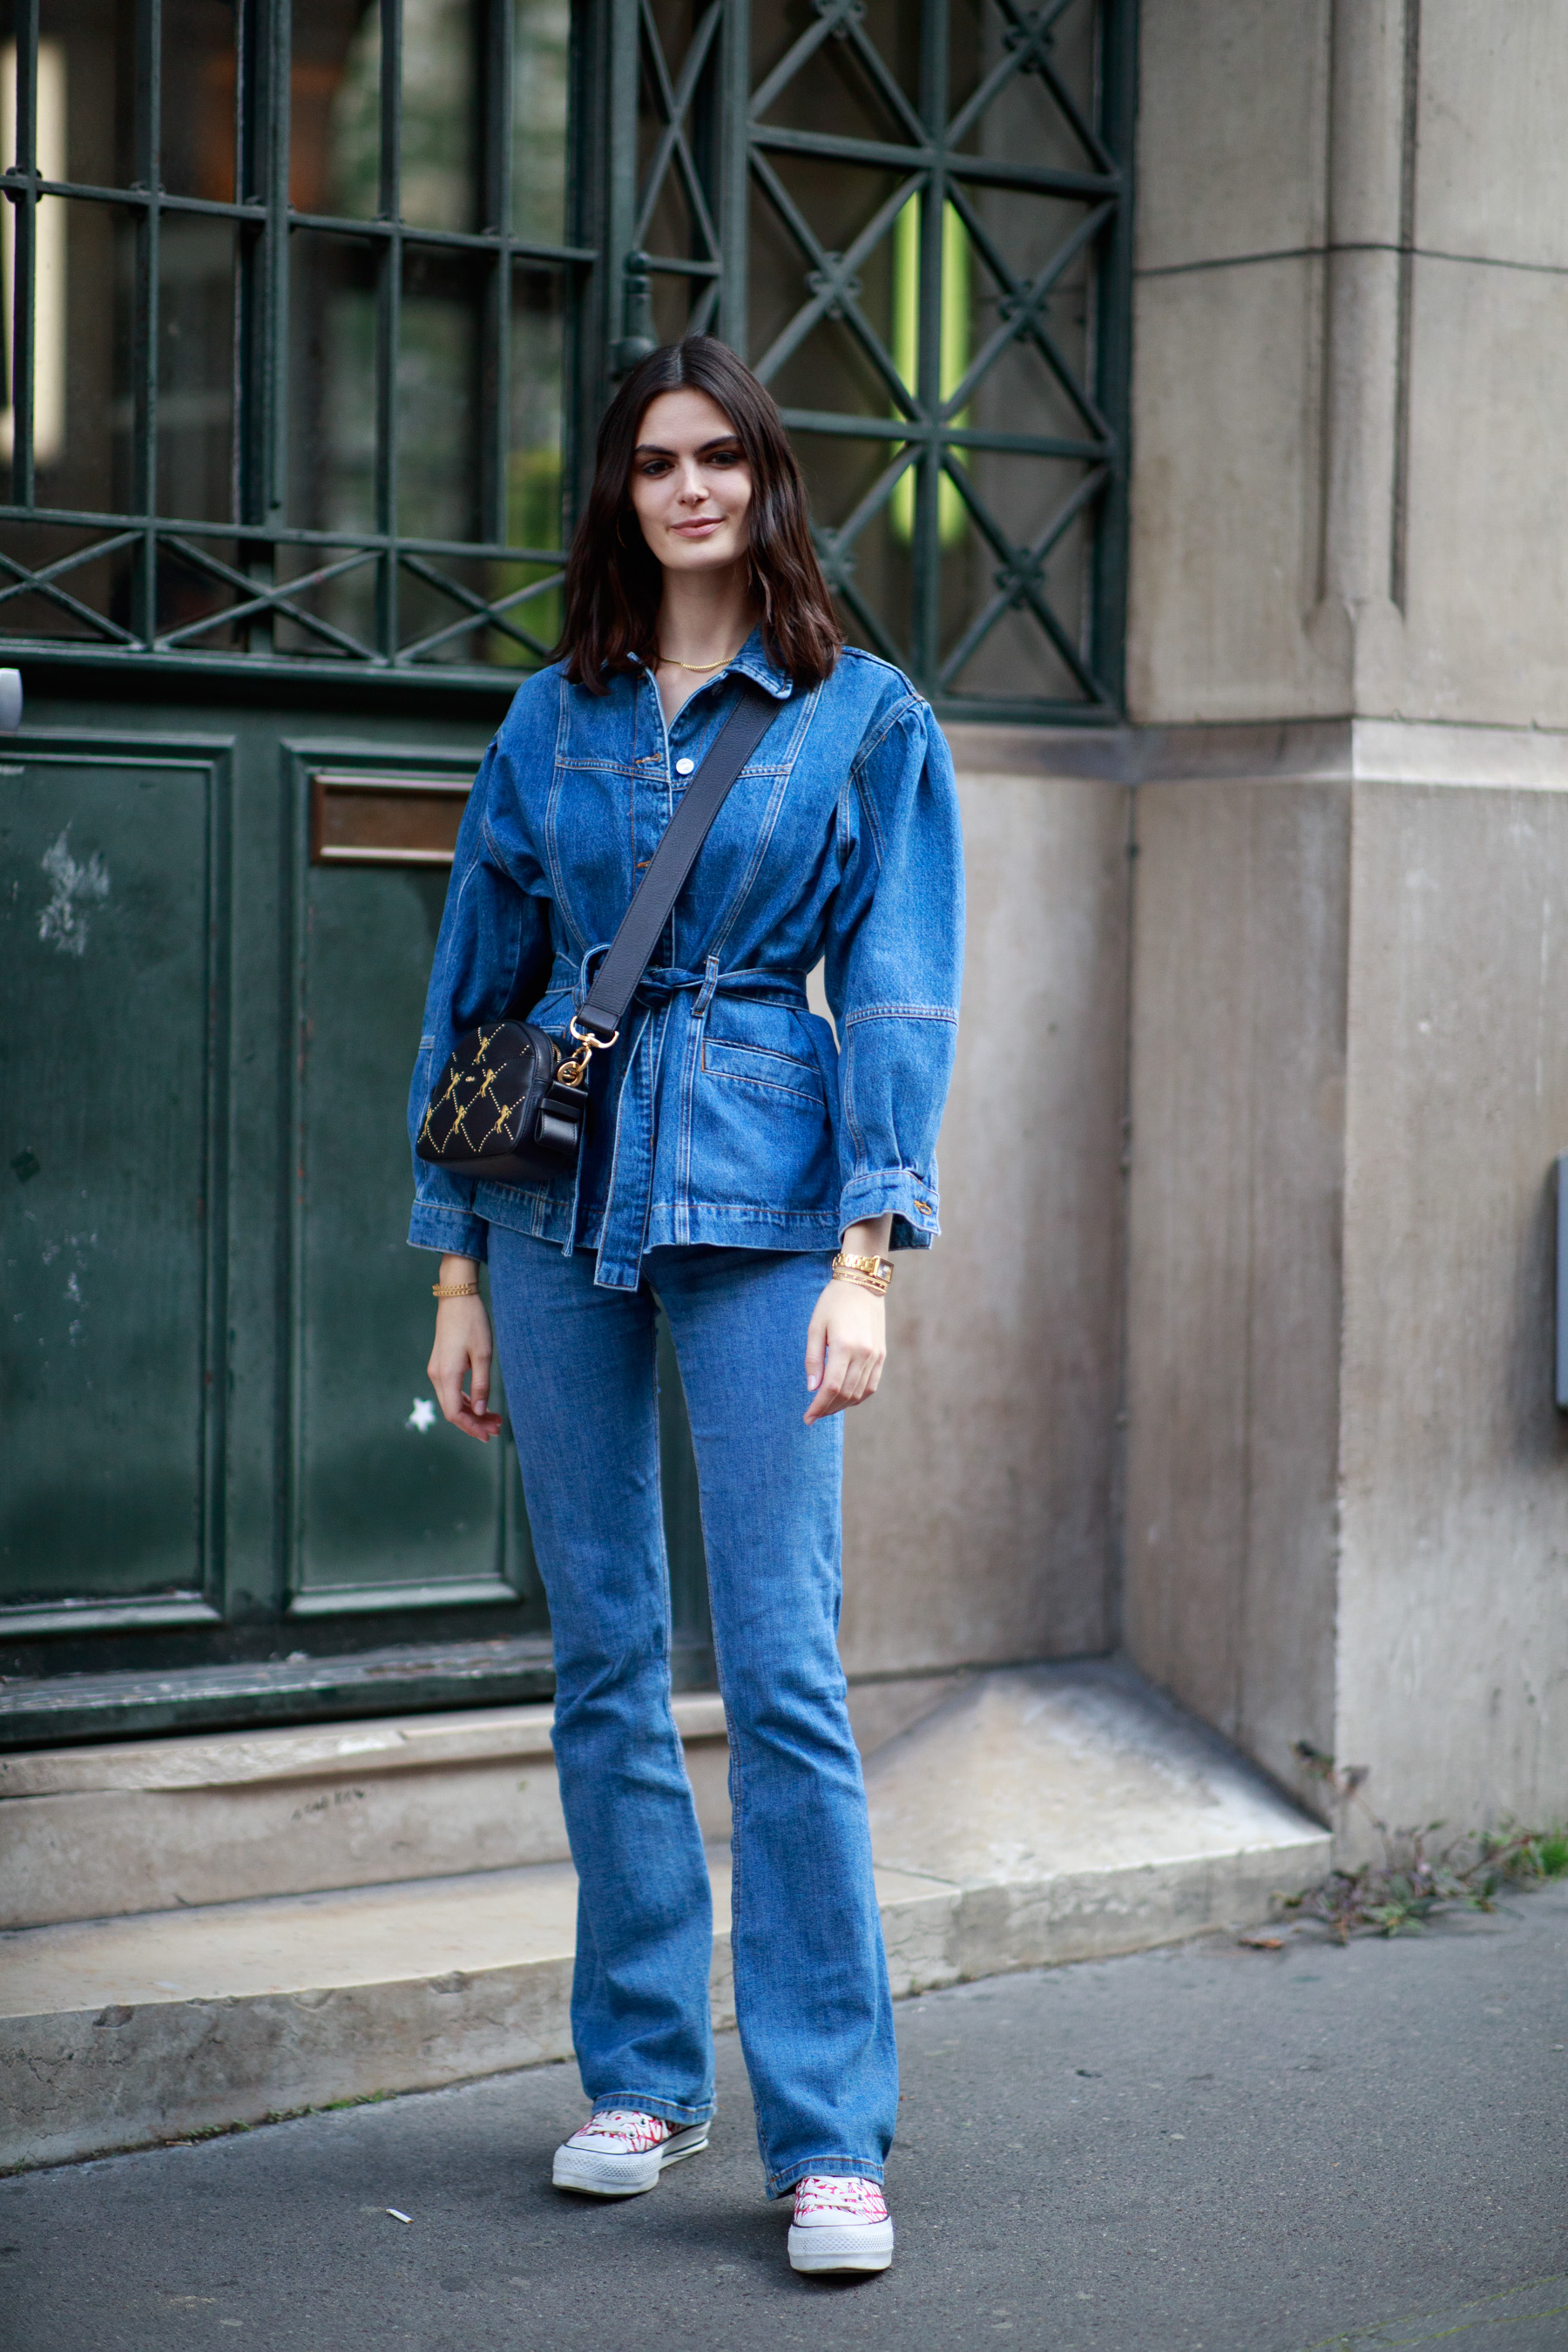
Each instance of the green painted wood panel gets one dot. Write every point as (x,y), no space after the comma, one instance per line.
(393,1508)
(109,906)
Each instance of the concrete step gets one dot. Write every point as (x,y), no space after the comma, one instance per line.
(1077,1813)
(162,1824)
(91,1832)
(121,2032)
(1036,1815)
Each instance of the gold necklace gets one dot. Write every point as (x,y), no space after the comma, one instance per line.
(700,670)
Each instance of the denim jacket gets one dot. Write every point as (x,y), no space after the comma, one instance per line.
(728,1113)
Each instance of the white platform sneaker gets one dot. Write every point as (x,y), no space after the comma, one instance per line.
(620,2152)
(841,2223)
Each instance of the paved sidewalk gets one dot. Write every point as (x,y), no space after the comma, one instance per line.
(1203,2150)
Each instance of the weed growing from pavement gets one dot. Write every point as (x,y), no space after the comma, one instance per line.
(1415,1881)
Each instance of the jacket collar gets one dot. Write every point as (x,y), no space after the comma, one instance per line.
(754,661)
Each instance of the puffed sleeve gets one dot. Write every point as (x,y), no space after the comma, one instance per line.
(894,956)
(492,951)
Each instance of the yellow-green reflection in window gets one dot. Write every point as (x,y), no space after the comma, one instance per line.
(954,353)
(533,519)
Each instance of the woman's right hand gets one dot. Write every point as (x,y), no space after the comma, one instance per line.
(463,1347)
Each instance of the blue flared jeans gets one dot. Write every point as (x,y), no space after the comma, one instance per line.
(811,1977)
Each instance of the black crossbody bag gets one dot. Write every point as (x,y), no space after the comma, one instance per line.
(511,1107)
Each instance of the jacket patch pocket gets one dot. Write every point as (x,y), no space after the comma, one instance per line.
(763,1047)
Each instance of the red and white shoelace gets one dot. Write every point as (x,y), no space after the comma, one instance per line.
(838,2196)
(625,2131)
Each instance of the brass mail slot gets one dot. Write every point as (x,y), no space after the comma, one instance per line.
(358,819)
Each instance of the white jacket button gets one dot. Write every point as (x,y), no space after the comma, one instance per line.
(684,767)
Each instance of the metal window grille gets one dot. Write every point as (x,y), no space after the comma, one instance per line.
(311,311)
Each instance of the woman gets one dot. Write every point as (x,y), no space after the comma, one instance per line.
(734,1146)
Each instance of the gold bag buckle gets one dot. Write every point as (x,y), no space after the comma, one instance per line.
(573,1072)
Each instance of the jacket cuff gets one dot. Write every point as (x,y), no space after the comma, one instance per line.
(457,1232)
(910,1199)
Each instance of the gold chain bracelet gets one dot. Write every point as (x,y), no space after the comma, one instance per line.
(454,1290)
(871,1273)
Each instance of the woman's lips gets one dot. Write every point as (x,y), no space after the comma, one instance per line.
(699,529)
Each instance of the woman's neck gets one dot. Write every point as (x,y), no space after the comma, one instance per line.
(705,616)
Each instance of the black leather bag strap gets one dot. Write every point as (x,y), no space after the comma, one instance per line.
(631,950)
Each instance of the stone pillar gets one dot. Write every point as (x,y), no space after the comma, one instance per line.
(1347,1484)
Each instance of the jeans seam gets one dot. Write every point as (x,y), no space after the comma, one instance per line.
(737,1809)
(663,1538)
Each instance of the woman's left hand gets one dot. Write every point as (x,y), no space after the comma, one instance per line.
(845,1348)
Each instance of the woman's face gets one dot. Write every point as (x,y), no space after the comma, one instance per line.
(691,490)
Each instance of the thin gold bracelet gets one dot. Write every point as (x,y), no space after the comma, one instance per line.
(454,1290)
(871,1273)
(864,1282)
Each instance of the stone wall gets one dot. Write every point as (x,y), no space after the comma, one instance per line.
(1238,1190)
(980,1518)
(1453,1635)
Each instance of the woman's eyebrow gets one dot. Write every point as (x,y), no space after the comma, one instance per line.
(654,449)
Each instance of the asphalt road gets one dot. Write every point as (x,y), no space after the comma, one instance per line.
(1201,2150)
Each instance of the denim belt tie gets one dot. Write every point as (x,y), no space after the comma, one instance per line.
(630,1194)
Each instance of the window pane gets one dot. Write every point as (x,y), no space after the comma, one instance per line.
(541,36)
(871,570)
(1026,500)
(840,89)
(1030,119)
(81,584)
(537,324)
(437,397)
(334,157)
(675,213)
(440,608)
(92,52)
(198,99)
(84,291)
(332,381)
(200,582)
(195,368)
(534,474)
(333,591)
(441,114)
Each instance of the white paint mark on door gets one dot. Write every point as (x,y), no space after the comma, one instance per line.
(62,924)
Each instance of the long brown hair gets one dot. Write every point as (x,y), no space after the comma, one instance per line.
(613,580)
